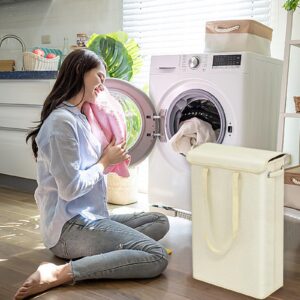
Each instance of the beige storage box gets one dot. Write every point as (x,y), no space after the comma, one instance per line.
(238,35)
(237,218)
(292,187)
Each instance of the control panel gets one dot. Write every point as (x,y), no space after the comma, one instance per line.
(227,60)
(209,61)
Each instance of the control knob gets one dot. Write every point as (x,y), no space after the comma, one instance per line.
(194,62)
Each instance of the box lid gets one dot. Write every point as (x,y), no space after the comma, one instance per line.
(233,157)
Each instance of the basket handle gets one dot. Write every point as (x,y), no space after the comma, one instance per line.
(295,181)
(228,29)
(207,213)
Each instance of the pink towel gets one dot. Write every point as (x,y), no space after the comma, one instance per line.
(107,121)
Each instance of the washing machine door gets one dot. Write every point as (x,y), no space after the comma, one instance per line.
(140,115)
(196,103)
(194,99)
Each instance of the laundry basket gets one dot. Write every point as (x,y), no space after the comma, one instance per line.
(34,62)
(122,190)
(237,213)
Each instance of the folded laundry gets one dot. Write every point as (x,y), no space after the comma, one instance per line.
(107,121)
(192,132)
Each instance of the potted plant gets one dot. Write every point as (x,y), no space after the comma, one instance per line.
(291,5)
(120,53)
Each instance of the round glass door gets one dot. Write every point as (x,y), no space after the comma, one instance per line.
(132,116)
(139,112)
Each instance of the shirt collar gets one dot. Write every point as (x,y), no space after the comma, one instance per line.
(71,108)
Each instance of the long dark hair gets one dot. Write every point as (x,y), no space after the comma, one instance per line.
(68,84)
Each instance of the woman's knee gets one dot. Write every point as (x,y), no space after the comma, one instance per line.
(160,265)
(163,219)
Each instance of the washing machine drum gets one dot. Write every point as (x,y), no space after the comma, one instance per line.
(196,103)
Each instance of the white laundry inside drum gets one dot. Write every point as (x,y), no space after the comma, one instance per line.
(196,103)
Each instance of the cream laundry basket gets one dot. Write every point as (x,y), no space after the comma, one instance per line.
(237,215)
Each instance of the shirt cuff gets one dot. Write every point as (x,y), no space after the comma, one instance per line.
(98,168)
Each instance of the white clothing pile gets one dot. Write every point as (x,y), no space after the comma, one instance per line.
(192,132)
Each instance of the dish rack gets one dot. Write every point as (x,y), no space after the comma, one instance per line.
(34,62)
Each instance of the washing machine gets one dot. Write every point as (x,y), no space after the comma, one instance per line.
(237,93)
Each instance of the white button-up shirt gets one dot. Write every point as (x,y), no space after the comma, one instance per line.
(70,182)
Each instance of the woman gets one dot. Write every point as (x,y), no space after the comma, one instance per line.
(71,193)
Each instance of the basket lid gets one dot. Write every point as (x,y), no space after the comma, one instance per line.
(233,157)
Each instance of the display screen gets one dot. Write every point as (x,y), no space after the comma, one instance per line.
(227,60)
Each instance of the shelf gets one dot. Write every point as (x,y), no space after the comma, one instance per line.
(292,115)
(295,43)
(288,122)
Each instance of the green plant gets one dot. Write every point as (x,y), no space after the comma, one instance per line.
(291,4)
(123,61)
(120,53)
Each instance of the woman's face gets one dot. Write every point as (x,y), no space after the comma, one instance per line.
(93,83)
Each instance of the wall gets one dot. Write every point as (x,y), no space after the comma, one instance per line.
(278,23)
(31,19)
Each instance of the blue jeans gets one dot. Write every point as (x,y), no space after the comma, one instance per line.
(122,246)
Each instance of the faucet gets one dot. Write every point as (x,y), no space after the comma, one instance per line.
(12,36)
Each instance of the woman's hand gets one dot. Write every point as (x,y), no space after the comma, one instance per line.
(114,154)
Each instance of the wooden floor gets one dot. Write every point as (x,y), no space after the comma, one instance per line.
(21,251)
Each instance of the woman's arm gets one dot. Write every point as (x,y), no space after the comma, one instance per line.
(65,166)
(63,152)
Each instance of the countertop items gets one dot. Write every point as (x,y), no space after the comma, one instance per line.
(28,75)
(82,38)
(7,65)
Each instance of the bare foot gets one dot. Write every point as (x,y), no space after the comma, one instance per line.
(47,276)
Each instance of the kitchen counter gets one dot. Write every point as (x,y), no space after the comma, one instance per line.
(28,75)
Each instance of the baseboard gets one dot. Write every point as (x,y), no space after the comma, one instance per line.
(18,183)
